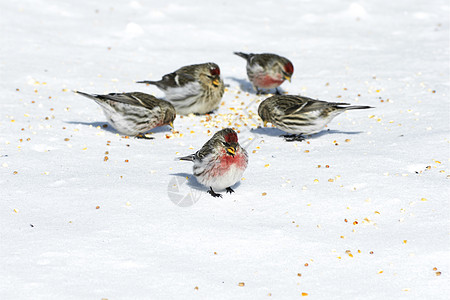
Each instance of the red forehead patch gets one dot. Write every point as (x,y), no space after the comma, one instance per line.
(289,68)
(231,137)
(215,71)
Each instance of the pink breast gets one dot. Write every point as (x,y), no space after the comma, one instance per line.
(228,161)
(268,82)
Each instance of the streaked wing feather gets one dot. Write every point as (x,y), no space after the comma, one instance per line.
(297,104)
(176,79)
(207,148)
(135,99)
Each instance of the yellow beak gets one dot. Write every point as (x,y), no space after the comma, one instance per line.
(216,82)
(265,123)
(231,151)
(171,125)
(287,78)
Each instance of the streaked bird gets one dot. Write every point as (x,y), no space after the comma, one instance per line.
(267,71)
(220,163)
(194,89)
(299,115)
(134,113)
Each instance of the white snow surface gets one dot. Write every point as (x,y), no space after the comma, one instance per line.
(372,222)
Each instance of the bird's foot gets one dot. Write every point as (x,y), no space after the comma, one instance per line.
(262,92)
(214,194)
(230,190)
(143,136)
(293,137)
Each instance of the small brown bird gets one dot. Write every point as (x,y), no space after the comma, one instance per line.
(194,89)
(267,70)
(300,115)
(220,163)
(134,113)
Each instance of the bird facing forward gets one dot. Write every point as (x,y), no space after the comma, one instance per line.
(134,113)
(220,163)
(300,115)
(194,89)
(267,70)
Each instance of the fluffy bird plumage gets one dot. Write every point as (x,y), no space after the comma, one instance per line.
(194,89)
(134,113)
(220,163)
(267,70)
(299,115)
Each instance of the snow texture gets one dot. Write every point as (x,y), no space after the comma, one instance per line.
(358,211)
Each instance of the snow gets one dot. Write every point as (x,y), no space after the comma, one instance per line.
(374,224)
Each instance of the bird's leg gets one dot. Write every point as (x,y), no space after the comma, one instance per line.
(230,190)
(258,91)
(143,136)
(214,194)
(277,92)
(293,137)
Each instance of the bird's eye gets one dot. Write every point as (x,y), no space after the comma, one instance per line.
(214,71)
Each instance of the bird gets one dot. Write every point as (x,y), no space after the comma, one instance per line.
(195,89)
(267,70)
(220,163)
(134,113)
(300,115)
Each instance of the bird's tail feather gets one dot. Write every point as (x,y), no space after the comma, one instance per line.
(85,94)
(243,55)
(187,158)
(147,82)
(357,107)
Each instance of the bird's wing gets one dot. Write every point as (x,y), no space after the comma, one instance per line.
(136,98)
(208,148)
(297,104)
(176,79)
(286,105)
